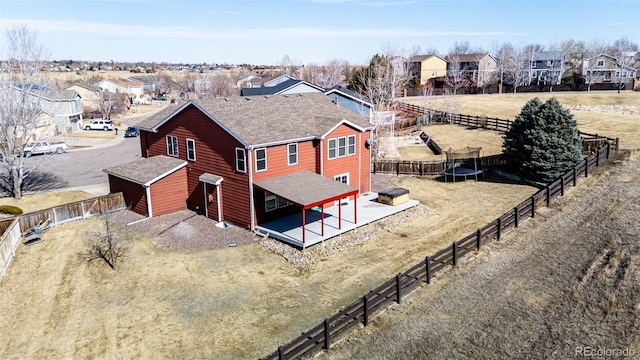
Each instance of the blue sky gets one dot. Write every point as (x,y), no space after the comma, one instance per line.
(308,31)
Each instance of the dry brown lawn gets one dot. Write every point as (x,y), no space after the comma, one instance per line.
(34,202)
(603,112)
(232,303)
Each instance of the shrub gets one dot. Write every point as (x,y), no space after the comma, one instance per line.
(543,141)
(11,210)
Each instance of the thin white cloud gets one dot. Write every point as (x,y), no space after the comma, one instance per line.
(185,32)
(616,24)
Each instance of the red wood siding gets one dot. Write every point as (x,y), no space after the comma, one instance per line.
(357,165)
(263,216)
(134,194)
(215,153)
(169,194)
(278,161)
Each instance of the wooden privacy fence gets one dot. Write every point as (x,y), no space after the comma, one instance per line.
(79,210)
(9,241)
(406,167)
(590,142)
(12,229)
(363,309)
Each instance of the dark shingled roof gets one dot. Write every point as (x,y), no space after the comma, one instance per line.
(296,188)
(348,92)
(147,170)
(270,119)
(269,90)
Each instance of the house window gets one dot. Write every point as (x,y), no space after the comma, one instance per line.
(332,148)
(240,164)
(351,144)
(343,178)
(624,74)
(270,202)
(282,202)
(533,64)
(434,73)
(172,145)
(191,150)
(342,146)
(292,153)
(261,159)
(600,63)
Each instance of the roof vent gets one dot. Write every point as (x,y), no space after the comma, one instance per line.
(285,95)
(299,95)
(225,99)
(248,98)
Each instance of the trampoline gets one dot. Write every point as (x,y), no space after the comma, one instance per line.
(459,163)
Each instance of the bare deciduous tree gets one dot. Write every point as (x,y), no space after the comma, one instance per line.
(19,112)
(216,85)
(108,244)
(589,72)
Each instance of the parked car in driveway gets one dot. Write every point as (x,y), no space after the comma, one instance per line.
(99,125)
(160,97)
(131,131)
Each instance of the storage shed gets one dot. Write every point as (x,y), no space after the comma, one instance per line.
(151,186)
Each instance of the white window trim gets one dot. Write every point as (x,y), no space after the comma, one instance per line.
(193,144)
(255,152)
(238,159)
(600,63)
(335,148)
(289,154)
(171,138)
(268,198)
(533,64)
(349,153)
(280,204)
(335,177)
(345,146)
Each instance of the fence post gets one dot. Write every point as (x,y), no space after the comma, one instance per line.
(598,156)
(516,215)
(548,196)
(499,229)
(533,207)
(398,168)
(454,247)
(608,149)
(561,185)
(55,217)
(327,343)
(478,239)
(575,176)
(280,353)
(428,266)
(398,289)
(366,310)
(421,163)
(617,144)
(586,167)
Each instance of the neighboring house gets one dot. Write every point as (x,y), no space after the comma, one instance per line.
(89,95)
(478,68)
(605,68)
(60,111)
(353,101)
(282,85)
(546,68)
(148,83)
(134,88)
(426,67)
(248,160)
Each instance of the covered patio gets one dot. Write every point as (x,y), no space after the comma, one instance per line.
(314,224)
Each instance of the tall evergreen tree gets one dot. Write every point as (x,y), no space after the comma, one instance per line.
(543,142)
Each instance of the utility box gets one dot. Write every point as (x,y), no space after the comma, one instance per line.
(393,196)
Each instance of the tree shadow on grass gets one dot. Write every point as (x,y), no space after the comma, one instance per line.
(36,180)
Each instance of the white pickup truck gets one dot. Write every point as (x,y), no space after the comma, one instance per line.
(44,147)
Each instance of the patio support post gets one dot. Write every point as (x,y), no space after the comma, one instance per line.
(339,213)
(322,217)
(355,209)
(303,222)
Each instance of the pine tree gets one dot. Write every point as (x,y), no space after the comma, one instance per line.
(543,142)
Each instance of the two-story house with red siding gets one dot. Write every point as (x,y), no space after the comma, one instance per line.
(249,160)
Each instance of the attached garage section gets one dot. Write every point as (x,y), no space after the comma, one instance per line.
(151,186)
